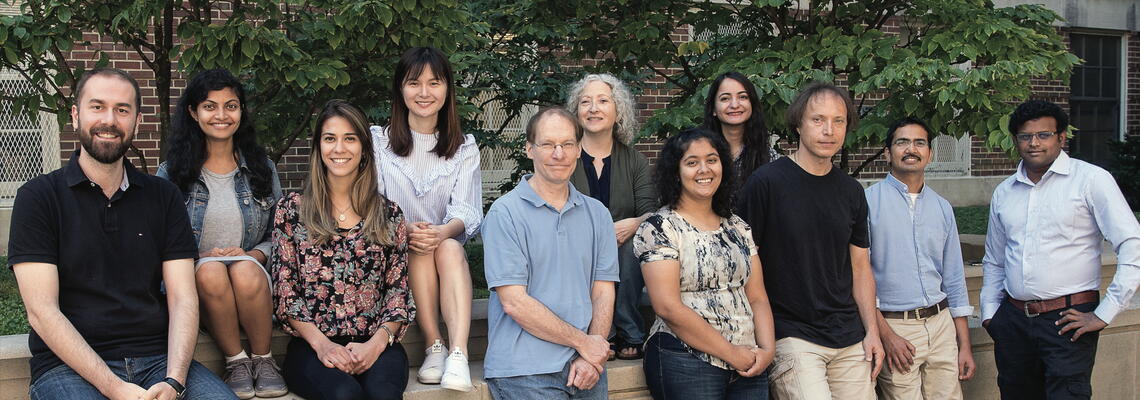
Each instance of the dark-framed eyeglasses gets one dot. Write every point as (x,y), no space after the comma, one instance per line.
(1026,137)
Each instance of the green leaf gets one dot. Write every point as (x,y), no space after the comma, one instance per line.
(11,56)
(249,48)
(64,14)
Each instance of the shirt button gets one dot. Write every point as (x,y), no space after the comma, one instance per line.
(247,201)
(92,184)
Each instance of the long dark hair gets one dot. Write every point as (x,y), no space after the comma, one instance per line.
(756,146)
(187,151)
(668,174)
(316,202)
(411,65)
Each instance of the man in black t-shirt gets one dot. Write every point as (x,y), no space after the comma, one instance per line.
(809,220)
(91,245)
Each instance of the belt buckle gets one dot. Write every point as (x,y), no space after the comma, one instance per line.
(1026,310)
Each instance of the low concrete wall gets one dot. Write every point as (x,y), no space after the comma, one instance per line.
(962,191)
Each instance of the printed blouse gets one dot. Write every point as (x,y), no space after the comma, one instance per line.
(431,188)
(347,286)
(715,265)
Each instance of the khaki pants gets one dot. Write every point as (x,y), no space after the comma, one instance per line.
(934,374)
(804,370)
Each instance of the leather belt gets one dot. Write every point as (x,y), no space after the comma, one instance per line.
(919,313)
(1033,308)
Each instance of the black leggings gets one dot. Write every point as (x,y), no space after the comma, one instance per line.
(308,378)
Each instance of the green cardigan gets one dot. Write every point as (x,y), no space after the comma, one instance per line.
(631,185)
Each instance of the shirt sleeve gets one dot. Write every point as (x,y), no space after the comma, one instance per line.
(466,202)
(398,303)
(606,261)
(286,269)
(504,262)
(34,227)
(993,264)
(654,241)
(954,269)
(180,241)
(1120,228)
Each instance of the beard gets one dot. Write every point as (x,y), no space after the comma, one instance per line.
(104,152)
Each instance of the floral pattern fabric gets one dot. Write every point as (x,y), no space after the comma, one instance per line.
(715,265)
(347,286)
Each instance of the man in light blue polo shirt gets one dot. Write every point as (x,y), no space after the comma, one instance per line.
(917,262)
(551,263)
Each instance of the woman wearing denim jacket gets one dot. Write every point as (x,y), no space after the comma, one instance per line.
(213,150)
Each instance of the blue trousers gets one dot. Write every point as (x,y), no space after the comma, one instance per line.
(671,372)
(62,382)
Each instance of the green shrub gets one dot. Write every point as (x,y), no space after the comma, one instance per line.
(13,319)
(1125,167)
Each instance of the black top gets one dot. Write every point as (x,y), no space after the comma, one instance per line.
(802,225)
(599,185)
(108,253)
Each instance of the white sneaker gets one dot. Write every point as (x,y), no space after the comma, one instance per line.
(456,373)
(432,369)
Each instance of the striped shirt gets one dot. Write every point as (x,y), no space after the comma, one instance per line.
(430,188)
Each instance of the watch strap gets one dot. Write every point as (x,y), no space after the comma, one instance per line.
(179,389)
(391,337)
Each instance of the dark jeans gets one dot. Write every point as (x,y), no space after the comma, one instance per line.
(550,386)
(1034,362)
(62,382)
(308,378)
(671,372)
(629,326)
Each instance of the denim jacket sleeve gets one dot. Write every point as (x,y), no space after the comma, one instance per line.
(266,244)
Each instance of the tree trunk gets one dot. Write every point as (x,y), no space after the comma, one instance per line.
(164,35)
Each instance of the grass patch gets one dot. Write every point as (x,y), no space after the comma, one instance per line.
(972,220)
(478,278)
(13,319)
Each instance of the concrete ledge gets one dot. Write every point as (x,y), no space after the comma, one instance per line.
(960,191)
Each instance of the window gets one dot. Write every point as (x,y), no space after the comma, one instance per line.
(1095,96)
(28,146)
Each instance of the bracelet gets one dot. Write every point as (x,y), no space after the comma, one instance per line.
(391,337)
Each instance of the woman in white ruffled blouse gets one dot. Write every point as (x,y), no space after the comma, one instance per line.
(431,169)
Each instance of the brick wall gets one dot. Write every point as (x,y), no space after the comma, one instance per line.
(1132,123)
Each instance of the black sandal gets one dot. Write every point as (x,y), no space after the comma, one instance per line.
(636,355)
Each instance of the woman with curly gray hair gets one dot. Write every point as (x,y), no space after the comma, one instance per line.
(612,172)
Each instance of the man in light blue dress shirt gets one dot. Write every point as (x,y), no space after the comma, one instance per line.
(1047,226)
(917,261)
(551,263)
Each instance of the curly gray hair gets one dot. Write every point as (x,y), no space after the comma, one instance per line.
(625,128)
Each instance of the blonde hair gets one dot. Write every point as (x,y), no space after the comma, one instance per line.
(316,203)
(625,128)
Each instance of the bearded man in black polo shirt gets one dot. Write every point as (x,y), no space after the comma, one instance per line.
(92,244)
(809,221)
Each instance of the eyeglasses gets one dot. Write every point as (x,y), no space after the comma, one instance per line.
(904,143)
(549,147)
(1026,137)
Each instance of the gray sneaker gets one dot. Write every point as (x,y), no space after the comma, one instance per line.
(239,377)
(267,378)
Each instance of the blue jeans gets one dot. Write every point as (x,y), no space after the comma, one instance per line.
(62,382)
(671,372)
(545,386)
(629,325)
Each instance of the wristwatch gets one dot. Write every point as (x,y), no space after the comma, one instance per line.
(179,390)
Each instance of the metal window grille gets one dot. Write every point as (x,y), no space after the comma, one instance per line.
(28,146)
(951,156)
(494,161)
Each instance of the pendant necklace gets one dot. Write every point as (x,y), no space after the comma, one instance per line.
(342,217)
